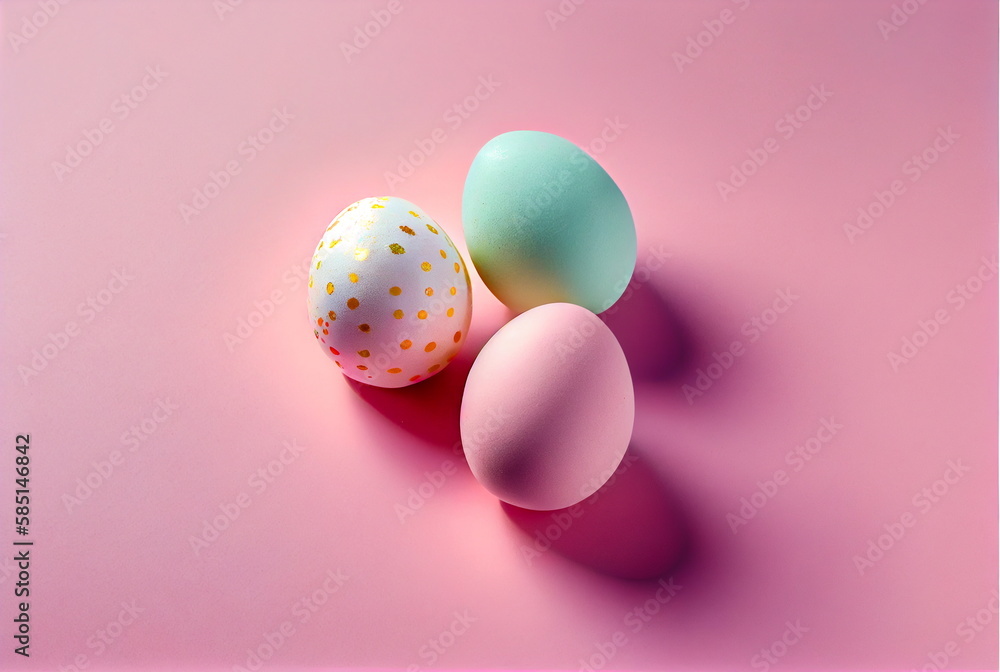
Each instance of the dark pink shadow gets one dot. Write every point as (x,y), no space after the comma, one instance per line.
(658,344)
(630,528)
(430,409)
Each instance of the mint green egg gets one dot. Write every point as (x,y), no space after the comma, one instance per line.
(544,223)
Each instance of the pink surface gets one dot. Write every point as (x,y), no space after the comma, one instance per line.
(183,362)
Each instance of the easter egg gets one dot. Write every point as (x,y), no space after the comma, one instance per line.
(544,223)
(548,408)
(389,294)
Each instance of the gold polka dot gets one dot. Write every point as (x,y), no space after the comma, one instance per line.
(434,368)
(364,353)
(429,291)
(364,327)
(318,264)
(361,254)
(398,314)
(394,371)
(458,336)
(422,314)
(407,230)
(405,345)
(432,229)
(353,303)
(362,367)
(453,291)
(430,346)
(426,265)
(353,277)
(395,291)
(396,248)
(335,242)
(329,288)
(333,315)
(377,205)
(414,214)
(451,312)
(444,255)
(457,267)
(320,246)
(310,281)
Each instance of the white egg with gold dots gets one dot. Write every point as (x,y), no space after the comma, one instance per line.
(390,300)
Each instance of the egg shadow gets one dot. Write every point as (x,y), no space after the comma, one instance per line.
(659,344)
(632,527)
(430,409)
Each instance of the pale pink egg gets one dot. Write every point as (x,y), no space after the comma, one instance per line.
(548,408)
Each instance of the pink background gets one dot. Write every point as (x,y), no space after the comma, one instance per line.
(162,337)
